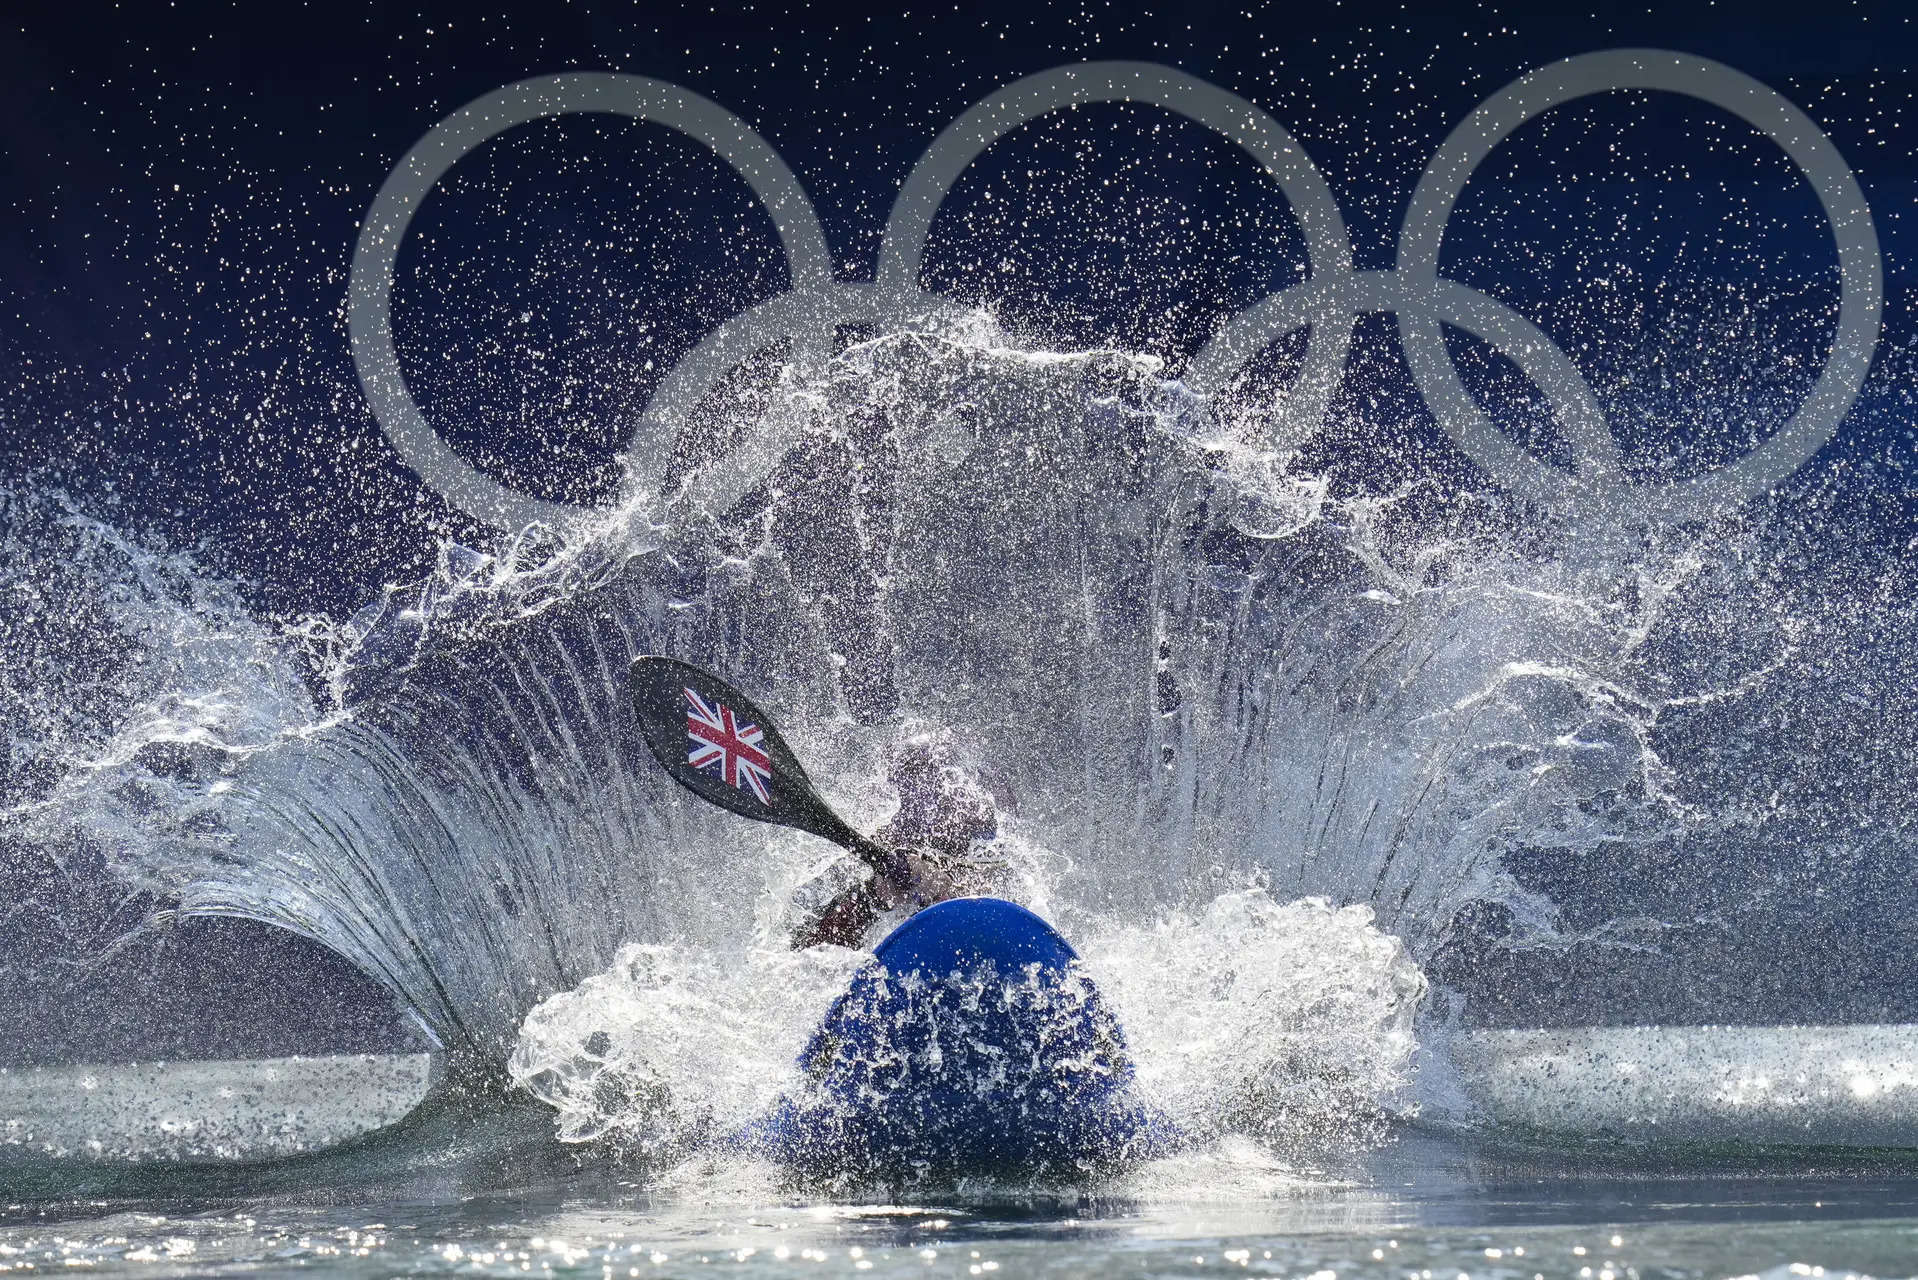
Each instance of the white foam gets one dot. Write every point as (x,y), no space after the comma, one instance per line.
(1829,1085)
(206,1110)
(1252,1016)
(1285,1021)
(675,1041)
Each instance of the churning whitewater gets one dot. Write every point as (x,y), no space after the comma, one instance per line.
(1267,740)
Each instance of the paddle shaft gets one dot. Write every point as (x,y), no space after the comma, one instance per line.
(823,822)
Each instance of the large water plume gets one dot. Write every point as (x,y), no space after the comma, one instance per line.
(1203,671)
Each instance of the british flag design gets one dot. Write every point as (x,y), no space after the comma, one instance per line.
(717,743)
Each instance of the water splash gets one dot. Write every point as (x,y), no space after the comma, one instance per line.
(1289,1023)
(676,1044)
(1285,1024)
(1203,668)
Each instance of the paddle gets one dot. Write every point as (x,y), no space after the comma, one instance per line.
(714,741)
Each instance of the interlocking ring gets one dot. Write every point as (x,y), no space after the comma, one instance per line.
(1424,303)
(369,315)
(1328,249)
(1328,303)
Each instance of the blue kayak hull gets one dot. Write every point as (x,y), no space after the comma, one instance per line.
(972,1042)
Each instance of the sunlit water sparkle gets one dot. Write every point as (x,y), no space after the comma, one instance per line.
(1272,741)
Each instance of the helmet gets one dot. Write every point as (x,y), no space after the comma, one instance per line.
(945,803)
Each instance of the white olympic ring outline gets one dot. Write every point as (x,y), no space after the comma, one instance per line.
(1328,303)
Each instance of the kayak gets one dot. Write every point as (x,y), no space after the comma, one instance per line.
(972,1042)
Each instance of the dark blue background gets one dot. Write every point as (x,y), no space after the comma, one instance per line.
(184,185)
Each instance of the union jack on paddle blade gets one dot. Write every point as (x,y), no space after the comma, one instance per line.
(717,743)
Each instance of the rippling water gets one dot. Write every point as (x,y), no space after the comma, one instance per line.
(1296,765)
(1422,1203)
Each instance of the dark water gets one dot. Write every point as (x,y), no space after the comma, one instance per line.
(457,1192)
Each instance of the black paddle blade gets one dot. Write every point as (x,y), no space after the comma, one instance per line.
(715,741)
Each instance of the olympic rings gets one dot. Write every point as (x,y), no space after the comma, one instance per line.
(814,314)
(1860,268)
(1327,246)
(369,315)
(1328,303)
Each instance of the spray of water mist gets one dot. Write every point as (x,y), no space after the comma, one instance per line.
(1220,690)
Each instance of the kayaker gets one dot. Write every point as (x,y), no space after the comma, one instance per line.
(1019,1067)
(716,742)
(948,816)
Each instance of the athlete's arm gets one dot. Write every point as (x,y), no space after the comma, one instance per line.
(843,921)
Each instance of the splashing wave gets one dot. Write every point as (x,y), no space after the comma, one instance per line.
(1205,670)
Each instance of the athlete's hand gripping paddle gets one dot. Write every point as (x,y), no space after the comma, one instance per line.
(716,743)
